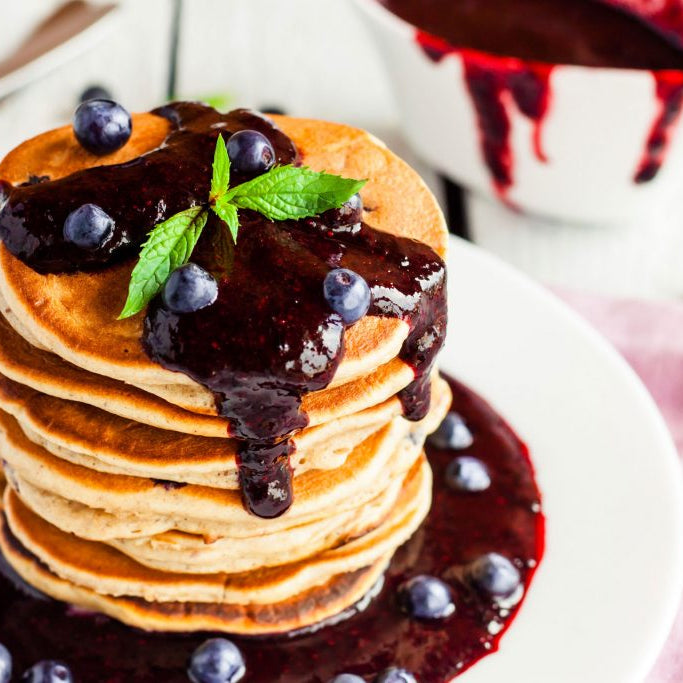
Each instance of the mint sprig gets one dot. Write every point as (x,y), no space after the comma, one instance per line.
(169,246)
(291,192)
(283,193)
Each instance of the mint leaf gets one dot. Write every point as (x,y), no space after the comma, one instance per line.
(287,192)
(221,171)
(170,245)
(222,250)
(228,212)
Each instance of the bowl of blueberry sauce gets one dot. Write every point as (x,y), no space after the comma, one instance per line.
(571,114)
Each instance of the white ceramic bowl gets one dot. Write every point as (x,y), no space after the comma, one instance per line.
(594,133)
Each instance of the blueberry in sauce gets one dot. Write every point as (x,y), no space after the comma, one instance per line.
(5,664)
(494,575)
(48,671)
(95,92)
(355,203)
(88,227)
(347,294)
(250,152)
(426,597)
(452,433)
(216,661)
(395,675)
(467,474)
(189,288)
(102,126)
(347,678)
(351,211)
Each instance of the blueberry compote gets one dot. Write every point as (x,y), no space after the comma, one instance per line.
(270,337)
(460,528)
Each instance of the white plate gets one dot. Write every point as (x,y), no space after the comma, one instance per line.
(603,601)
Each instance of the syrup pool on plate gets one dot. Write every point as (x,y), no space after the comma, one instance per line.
(504,517)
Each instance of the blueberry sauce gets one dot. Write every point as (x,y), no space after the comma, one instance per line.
(505,519)
(669,92)
(260,351)
(270,336)
(510,56)
(155,186)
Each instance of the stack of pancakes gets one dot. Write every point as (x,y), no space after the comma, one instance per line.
(121,490)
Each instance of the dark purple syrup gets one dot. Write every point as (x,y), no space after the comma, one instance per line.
(137,194)
(270,338)
(461,526)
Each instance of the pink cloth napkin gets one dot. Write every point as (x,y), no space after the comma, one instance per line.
(650,336)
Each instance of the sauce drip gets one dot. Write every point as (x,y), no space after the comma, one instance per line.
(511,56)
(460,527)
(270,337)
(669,92)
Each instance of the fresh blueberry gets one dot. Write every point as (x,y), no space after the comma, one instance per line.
(395,675)
(102,126)
(351,211)
(347,678)
(347,294)
(189,289)
(250,152)
(494,574)
(88,227)
(452,433)
(355,203)
(426,597)
(216,661)
(95,92)
(467,474)
(48,671)
(5,664)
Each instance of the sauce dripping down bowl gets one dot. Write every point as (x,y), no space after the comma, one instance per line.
(594,142)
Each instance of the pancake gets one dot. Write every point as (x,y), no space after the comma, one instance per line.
(47,373)
(214,512)
(178,551)
(309,608)
(87,436)
(73,315)
(107,571)
(124,493)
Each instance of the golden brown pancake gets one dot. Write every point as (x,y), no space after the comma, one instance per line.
(204,510)
(307,609)
(123,486)
(88,436)
(74,315)
(107,571)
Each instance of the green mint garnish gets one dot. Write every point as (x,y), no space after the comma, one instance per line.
(169,246)
(283,193)
(221,171)
(290,192)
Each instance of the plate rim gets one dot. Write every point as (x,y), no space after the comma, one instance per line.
(667,457)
